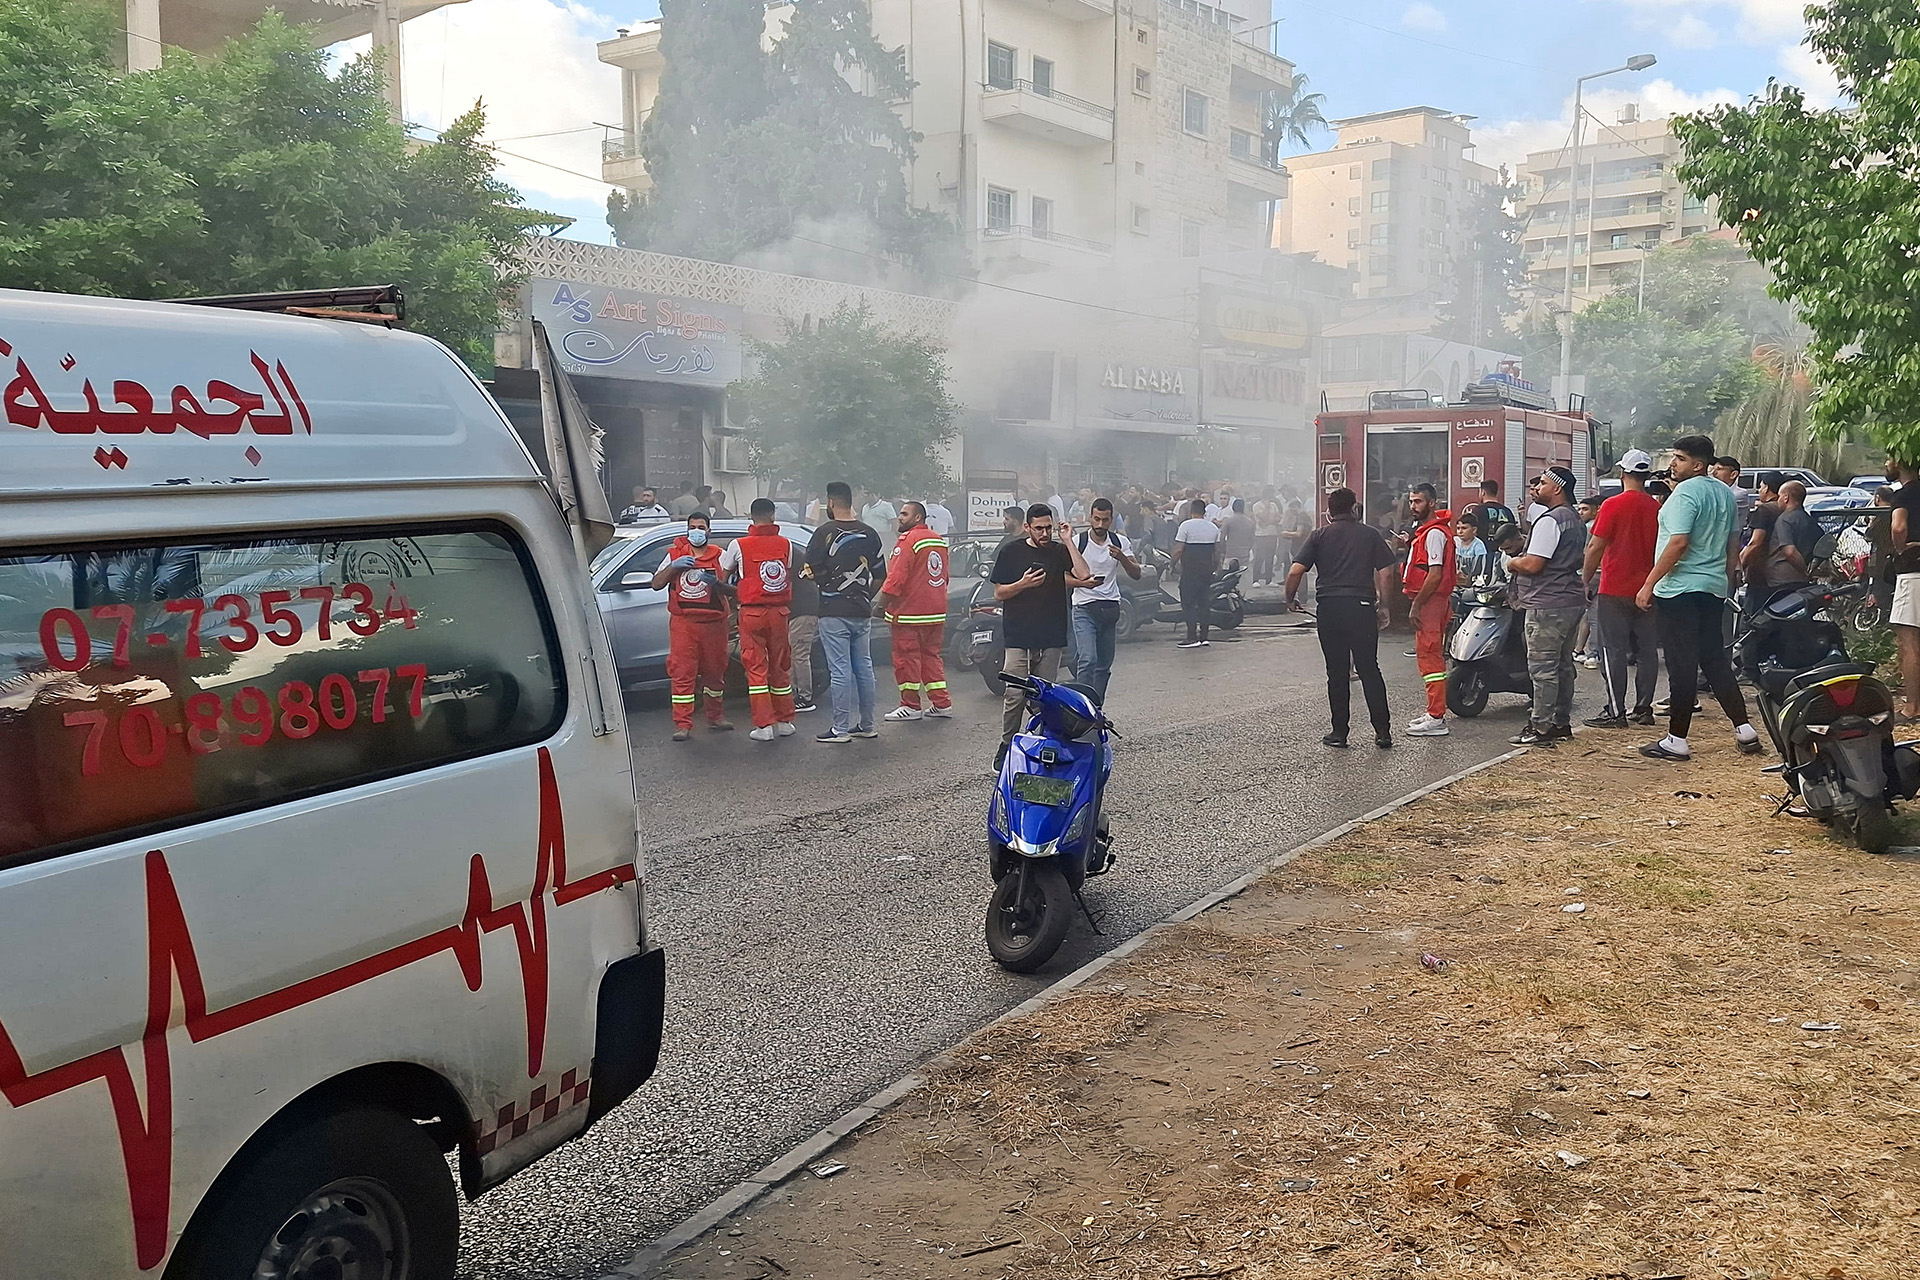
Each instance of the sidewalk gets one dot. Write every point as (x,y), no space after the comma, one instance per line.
(1711,1071)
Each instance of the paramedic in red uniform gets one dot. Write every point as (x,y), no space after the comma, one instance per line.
(759,564)
(697,635)
(1429,582)
(914,601)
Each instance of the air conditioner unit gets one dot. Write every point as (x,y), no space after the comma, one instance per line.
(732,457)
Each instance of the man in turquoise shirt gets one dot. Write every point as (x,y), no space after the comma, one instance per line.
(1688,590)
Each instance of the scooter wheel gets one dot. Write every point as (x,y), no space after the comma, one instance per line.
(1028,917)
(1873,828)
(1467,691)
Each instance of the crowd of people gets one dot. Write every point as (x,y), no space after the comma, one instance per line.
(1620,586)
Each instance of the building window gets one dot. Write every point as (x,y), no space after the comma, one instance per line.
(999,210)
(1353,172)
(1380,264)
(1353,206)
(1043,76)
(1142,220)
(1353,265)
(1042,218)
(1189,238)
(1382,201)
(1142,81)
(1139,168)
(1194,118)
(1579,277)
(1618,240)
(1003,65)
(1353,237)
(1244,145)
(1377,234)
(1382,170)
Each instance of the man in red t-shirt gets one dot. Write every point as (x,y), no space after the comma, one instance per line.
(1620,549)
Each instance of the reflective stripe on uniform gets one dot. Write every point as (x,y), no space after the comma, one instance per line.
(916,620)
(1438,675)
(929,542)
(904,686)
(758,688)
(781,693)
(937,684)
(715,693)
(683,697)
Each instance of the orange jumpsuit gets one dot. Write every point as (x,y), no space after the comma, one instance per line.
(916,589)
(763,560)
(696,635)
(1430,624)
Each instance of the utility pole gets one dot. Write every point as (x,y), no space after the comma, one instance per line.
(1639,62)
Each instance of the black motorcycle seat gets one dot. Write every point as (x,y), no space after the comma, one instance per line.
(1778,683)
(1086,690)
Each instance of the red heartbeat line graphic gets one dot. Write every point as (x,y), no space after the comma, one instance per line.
(110,458)
(146,1136)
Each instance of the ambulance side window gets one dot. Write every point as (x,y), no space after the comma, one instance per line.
(151,686)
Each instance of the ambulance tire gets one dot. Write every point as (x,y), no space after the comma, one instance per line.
(365,1180)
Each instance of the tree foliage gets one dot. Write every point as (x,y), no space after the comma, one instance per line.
(847,399)
(1490,273)
(1829,202)
(1683,360)
(747,148)
(1290,117)
(250,171)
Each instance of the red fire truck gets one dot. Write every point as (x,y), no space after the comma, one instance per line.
(1504,430)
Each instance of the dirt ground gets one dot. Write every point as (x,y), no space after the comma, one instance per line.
(1404,1056)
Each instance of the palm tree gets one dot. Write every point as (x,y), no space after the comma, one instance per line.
(1773,426)
(1289,116)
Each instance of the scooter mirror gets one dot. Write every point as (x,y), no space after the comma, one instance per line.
(986,572)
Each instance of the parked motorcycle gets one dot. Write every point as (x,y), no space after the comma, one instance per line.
(1046,829)
(1488,652)
(1227,605)
(1830,718)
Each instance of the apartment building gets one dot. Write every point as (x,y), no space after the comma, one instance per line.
(1624,201)
(1104,161)
(1393,201)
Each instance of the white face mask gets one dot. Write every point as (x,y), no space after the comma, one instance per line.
(698,537)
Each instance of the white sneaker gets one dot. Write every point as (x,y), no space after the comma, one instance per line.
(1428,727)
(785,729)
(762,735)
(939,713)
(904,713)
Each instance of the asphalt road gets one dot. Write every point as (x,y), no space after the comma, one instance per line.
(822,908)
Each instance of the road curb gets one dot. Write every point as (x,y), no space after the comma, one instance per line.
(750,1189)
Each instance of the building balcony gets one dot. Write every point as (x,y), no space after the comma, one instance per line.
(1258,70)
(1265,181)
(1019,249)
(637,50)
(1044,113)
(1073,10)
(621,164)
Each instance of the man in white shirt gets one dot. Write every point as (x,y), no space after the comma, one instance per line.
(645,508)
(879,513)
(1096,609)
(939,519)
(1194,547)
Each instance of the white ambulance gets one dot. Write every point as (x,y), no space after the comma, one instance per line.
(318,856)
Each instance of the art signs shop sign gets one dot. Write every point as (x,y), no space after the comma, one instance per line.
(604,332)
(1118,396)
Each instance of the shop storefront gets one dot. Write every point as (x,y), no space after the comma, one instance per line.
(1258,392)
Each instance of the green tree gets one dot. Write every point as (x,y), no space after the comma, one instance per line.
(1290,117)
(819,154)
(1829,202)
(707,199)
(1490,271)
(847,399)
(250,171)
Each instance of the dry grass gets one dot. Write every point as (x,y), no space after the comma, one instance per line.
(1281,1090)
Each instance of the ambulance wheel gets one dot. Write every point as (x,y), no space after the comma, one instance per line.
(1467,690)
(363,1193)
(1028,917)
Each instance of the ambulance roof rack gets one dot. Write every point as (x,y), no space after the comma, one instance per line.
(367,304)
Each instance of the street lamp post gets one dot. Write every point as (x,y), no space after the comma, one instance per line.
(1639,62)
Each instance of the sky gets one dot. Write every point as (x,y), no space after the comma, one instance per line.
(1510,64)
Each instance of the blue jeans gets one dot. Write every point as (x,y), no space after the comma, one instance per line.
(848,643)
(1094,631)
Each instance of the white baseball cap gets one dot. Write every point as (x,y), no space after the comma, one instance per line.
(1637,461)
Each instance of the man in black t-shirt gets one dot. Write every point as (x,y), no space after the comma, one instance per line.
(1033,580)
(847,563)
(1355,568)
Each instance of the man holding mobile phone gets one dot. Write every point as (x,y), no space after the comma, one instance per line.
(1031,580)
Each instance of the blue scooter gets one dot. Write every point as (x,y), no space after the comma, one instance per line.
(1046,830)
